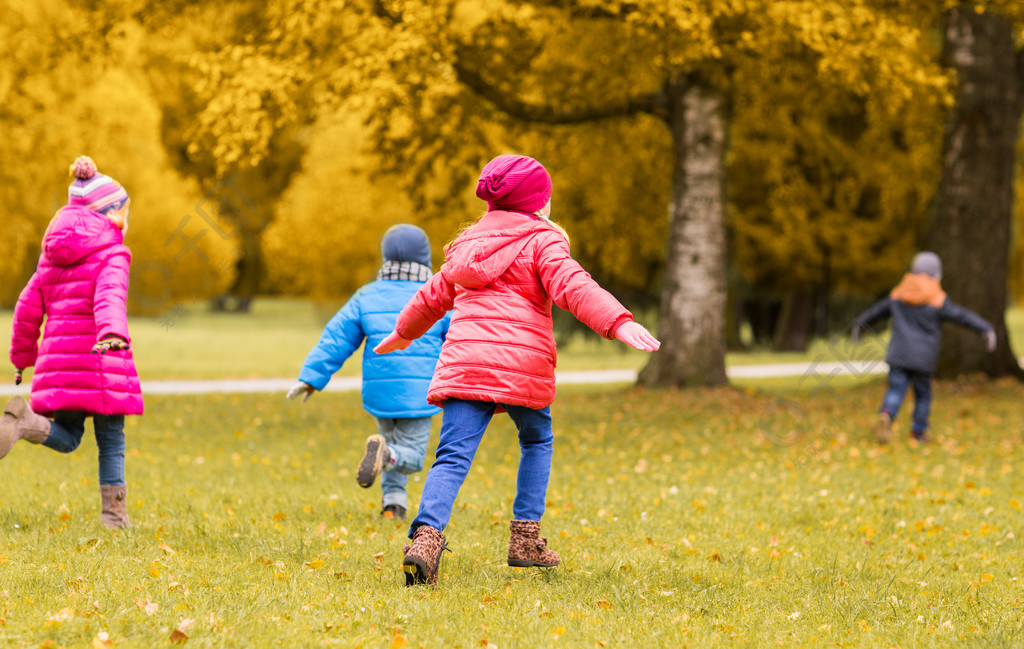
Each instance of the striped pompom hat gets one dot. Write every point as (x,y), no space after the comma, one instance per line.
(94,190)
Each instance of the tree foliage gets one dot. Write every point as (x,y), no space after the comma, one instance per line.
(371,112)
(64,93)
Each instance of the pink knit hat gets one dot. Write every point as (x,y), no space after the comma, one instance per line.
(92,189)
(514,182)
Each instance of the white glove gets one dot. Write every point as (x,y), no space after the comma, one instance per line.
(990,340)
(634,335)
(305,389)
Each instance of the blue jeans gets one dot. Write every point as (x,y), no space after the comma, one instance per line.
(407,440)
(66,432)
(462,427)
(899,380)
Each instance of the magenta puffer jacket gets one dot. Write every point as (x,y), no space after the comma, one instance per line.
(500,277)
(81,287)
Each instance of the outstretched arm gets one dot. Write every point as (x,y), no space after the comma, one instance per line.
(880,309)
(966,318)
(339,340)
(573,289)
(427,306)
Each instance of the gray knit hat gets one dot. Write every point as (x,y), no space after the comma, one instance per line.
(404,242)
(927,263)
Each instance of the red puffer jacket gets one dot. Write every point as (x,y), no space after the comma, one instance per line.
(500,277)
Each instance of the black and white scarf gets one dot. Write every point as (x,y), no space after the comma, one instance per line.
(405,270)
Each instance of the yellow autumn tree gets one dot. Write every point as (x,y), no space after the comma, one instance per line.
(65,97)
(435,77)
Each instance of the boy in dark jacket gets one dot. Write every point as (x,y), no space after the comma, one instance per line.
(394,386)
(918,307)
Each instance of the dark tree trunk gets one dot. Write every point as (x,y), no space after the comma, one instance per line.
(692,320)
(793,329)
(972,224)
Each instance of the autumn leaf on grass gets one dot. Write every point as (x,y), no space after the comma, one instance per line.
(102,641)
(147,606)
(399,642)
(166,548)
(177,636)
(603,603)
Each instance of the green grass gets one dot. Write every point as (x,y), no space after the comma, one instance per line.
(705,518)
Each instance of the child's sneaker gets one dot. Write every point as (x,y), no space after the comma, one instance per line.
(373,460)
(394,512)
(921,436)
(883,429)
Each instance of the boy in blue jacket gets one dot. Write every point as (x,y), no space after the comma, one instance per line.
(918,307)
(394,385)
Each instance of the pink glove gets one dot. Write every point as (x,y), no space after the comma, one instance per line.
(393,342)
(634,335)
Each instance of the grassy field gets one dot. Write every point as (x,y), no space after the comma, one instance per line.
(759,515)
(710,518)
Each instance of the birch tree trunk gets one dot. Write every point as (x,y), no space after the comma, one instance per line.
(972,225)
(692,319)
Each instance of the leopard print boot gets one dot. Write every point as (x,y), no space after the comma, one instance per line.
(422,561)
(527,548)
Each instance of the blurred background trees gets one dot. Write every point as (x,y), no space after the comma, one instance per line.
(73,82)
(755,170)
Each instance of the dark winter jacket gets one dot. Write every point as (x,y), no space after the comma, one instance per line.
(918,307)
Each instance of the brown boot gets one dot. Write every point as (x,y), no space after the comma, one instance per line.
(422,562)
(19,422)
(114,514)
(883,428)
(527,548)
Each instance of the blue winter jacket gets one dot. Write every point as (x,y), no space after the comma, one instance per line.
(395,384)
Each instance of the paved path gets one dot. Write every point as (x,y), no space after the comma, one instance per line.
(350,383)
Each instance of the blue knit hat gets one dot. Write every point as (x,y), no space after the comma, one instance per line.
(927,263)
(404,242)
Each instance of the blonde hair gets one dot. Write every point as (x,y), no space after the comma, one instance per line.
(470,223)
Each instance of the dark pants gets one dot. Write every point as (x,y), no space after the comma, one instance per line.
(899,380)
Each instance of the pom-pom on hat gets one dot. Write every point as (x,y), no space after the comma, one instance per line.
(514,182)
(927,263)
(404,242)
(92,189)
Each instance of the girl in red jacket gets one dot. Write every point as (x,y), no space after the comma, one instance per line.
(500,277)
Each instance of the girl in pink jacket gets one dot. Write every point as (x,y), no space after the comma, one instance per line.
(500,278)
(83,366)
